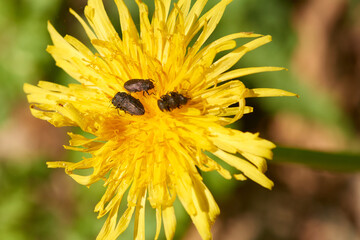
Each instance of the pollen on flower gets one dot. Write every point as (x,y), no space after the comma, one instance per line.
(137,146)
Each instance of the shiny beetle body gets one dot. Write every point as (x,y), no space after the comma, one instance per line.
(139,85)
(128,103)
(171,101)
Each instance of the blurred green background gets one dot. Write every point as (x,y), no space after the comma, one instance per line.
(317,190)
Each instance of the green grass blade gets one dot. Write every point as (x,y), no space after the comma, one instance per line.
(345,162)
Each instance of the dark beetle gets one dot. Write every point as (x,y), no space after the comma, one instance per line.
(171,101)
(139,85)
(128,103)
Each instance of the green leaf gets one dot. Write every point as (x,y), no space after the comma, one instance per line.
(345,162)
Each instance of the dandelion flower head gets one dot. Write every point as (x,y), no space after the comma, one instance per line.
(156,155)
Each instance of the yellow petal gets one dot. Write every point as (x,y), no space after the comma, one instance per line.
(158,223)
(139,227)
(246,71)
(99,21)
(169,220)
(268,92)
(247,168)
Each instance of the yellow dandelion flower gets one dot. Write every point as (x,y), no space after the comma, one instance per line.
(154,154)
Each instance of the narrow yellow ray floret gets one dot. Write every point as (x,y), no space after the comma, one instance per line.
(155,156)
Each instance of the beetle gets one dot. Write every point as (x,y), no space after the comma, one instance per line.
(128,103)
(171,101)
(139,85)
